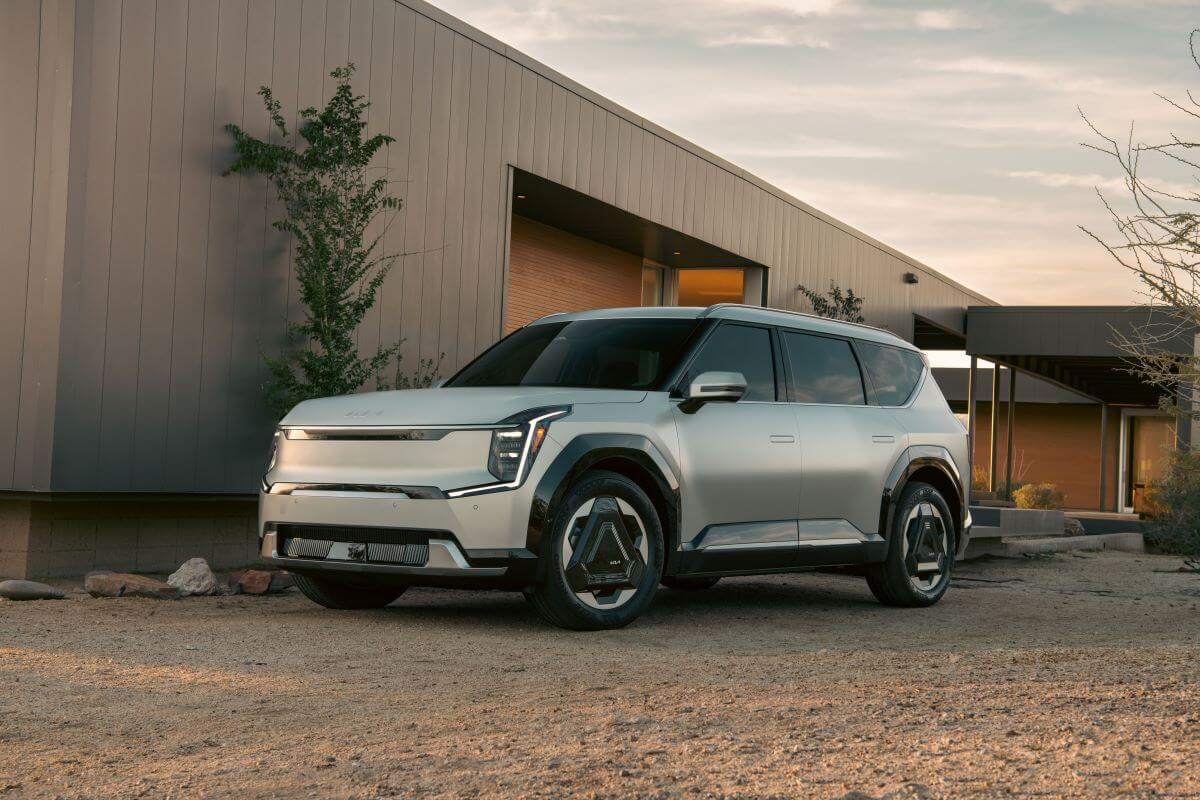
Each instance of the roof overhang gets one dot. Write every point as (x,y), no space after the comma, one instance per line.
(1075,346)
(558,206)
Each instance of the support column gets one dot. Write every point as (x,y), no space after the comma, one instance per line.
(1008,453)
(972,416)
(1103,455)
(995,432)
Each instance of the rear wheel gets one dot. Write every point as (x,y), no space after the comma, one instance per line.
(689,584)
(920,550)
(334,593)
(602,555)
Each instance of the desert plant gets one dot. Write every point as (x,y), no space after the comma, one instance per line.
(1038,495)
(1157,238)
(1174,526)
(322,179)
(835,304)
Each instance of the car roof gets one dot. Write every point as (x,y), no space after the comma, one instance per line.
(741,313)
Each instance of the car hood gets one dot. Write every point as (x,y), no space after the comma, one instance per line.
(447,406)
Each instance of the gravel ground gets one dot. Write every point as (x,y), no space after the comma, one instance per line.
(1053,677)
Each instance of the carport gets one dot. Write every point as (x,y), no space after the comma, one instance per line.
(1071,347)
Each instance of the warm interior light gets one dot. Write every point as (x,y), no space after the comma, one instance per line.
(676,252)
(520,197)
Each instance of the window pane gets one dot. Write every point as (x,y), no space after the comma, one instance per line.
(894,372)
(737,348)
(593,354)
(823,370)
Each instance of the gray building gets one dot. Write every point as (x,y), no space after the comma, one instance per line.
(141,287)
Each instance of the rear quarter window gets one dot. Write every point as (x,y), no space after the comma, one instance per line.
(894,372)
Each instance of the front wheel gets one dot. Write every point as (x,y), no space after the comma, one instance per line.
(340,594)
(920,551)
(602,555)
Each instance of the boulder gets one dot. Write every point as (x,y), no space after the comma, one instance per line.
(194,577)
(261,581)
(1072,527)
(119,584)
(30,590)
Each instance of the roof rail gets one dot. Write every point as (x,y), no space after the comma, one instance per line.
(805,314)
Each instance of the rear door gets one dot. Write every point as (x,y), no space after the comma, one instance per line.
(849,445)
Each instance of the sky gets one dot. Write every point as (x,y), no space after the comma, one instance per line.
(950,131)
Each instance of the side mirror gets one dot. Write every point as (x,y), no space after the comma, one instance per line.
(712,387)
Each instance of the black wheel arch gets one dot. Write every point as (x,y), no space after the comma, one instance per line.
(930,464)
(631,455)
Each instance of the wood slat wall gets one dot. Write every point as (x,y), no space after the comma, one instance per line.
(550,270)
(173,282)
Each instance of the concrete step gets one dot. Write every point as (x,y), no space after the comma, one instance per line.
(1127,542)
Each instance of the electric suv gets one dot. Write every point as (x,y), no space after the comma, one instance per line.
(587,458)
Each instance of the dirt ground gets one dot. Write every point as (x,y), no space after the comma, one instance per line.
(1053,677)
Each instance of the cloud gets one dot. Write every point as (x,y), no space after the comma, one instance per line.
(945,19)
(708,23)
(806,147)
(1060,180)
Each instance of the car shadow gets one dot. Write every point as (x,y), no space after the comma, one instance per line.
(761,597)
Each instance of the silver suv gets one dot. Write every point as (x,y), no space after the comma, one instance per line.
(587,458)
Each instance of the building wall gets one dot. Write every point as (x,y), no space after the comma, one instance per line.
(35,93)
(551,270)
(41,538)
(1053,443)
(153,284)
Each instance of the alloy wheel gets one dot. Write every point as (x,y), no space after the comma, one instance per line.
(926,547)
(605,552)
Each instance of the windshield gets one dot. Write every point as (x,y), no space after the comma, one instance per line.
(589,354)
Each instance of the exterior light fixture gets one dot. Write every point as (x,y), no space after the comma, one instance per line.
(520,197)
(675,253)
(911,277)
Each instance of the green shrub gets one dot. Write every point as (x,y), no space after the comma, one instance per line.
(330,196)
(1174,526)
(1038,495)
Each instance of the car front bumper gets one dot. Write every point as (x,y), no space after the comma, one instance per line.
(476,540)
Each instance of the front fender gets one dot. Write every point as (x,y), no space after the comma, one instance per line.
(587,450)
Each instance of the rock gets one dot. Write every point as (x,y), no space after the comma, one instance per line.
(30,590)
(261,581)
(119,584)
(194,577)
(1072,527)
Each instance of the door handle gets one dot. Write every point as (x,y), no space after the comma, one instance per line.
(783,438)
(883,439)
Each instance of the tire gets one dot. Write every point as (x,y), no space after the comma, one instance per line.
(689,584)
(334,593)
(609,515)
(903,579)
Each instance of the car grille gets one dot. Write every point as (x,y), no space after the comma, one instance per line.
(383,545)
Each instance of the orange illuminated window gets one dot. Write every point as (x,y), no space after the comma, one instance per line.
(703,287)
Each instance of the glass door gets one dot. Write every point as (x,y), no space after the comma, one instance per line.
(1145,438)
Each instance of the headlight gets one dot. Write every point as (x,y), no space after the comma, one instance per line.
(274,449)
(514,448)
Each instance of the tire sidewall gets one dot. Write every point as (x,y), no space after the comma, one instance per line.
(591,485)
(913,495)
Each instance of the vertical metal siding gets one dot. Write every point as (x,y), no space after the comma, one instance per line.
(172,282)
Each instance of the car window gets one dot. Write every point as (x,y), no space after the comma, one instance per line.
(823,370)
(595,354)
(739,348)
(894,372)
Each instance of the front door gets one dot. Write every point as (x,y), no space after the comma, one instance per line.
(740,461)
